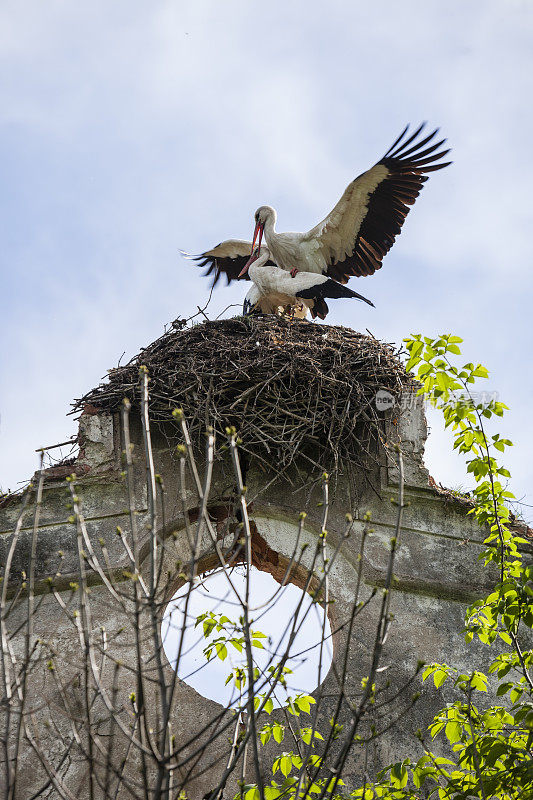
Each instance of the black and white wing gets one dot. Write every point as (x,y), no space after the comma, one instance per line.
(320,287)
(357,234)
(227,258)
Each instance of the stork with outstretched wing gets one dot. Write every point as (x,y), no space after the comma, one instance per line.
(360,230)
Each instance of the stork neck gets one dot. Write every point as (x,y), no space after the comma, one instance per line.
(259,262)
(254,272)
(270,228)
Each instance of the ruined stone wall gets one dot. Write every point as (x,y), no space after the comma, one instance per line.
(437,574)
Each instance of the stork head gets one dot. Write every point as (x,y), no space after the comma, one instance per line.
(257,255)
(263,216)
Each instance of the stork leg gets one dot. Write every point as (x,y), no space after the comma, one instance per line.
(294,272)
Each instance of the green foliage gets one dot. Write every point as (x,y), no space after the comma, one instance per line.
(493,747)
(294,772)
(490,748)
(232,634)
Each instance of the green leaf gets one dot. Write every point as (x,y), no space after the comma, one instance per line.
(479,681)
(453,731)
(278,732)
(265,734)
(399,776)
(222,650)
(503,688)
(272,792)
(304,702)
(305,735)
(439,677)
(208,626)
(443,381)
(285,764)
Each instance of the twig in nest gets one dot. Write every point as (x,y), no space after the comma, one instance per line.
(291,390)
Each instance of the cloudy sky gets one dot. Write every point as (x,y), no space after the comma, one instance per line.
(132,129)
(308,664)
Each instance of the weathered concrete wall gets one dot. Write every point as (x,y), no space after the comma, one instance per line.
(436,569)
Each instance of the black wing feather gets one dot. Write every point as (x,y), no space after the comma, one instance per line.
(329,288)
(226,265)
(390,202)
(230,267)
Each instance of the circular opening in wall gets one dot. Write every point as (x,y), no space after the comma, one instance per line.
(203,636)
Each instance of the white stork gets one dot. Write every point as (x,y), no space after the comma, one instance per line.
(274,288)
(356,235)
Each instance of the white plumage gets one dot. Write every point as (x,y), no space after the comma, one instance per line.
(275,290)
(355,236)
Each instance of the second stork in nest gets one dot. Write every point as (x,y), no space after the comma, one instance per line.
(274,290)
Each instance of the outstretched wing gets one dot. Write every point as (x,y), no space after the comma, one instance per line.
(355,237)
(227,258)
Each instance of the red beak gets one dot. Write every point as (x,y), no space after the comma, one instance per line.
(253,257)
(255,250)
(258,230)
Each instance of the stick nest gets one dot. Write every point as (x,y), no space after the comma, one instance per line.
(289,388)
